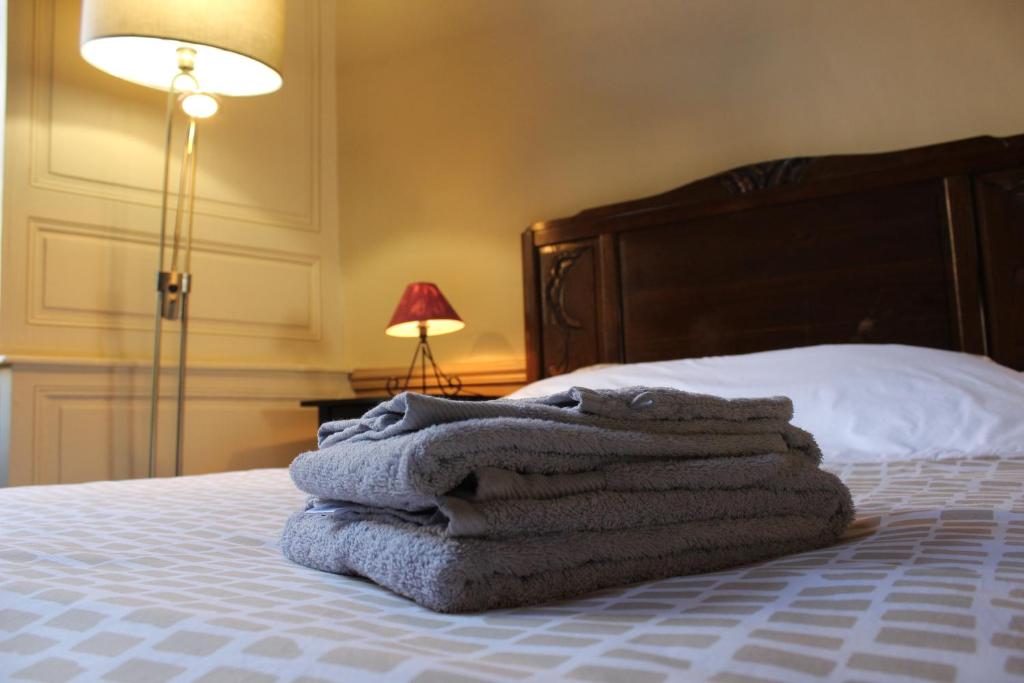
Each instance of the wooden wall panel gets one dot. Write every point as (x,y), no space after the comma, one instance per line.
(98,136)
(83,422)
(89,276)
(83,158)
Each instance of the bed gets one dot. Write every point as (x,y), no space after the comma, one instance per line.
(917,256)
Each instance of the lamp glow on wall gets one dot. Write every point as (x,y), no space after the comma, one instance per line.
(195,50)
(421,312)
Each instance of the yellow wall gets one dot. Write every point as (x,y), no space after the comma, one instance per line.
(460,122)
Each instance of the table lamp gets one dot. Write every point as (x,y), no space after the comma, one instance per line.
(424,312)
(193,49)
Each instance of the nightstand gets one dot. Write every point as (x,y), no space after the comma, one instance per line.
(349,408)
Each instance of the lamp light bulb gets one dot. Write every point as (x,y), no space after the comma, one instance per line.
(199,105)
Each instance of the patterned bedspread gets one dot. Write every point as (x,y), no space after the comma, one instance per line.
(181,580)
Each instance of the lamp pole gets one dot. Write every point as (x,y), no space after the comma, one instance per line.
(173,286)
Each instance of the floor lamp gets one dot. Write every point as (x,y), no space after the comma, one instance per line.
(193,49)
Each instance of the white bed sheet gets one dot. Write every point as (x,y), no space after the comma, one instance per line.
(862,402)
(182,580)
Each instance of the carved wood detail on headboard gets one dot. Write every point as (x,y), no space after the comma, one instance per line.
(921,246)
(765,175)
(562,322)
(568,306)
(555,289)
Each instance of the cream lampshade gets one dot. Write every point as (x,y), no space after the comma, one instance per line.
(238,44)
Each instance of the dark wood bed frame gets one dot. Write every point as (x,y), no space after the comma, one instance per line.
(923,246)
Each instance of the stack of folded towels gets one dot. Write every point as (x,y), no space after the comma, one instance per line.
(465,506)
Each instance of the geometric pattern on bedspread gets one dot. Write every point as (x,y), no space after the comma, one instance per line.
(182,580)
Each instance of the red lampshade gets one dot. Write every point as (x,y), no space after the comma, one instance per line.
(423,302)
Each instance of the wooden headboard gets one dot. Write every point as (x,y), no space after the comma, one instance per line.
(922,246)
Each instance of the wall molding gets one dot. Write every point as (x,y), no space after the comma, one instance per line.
(87,419)
(43,176)
(487,379)
(90,363)
(80,239)
(39,312)
(122,416)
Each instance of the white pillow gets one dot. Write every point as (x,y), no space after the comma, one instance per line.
(862,402)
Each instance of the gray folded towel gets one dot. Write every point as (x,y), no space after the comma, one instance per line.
(469,574)
(468,506)
(627,495)
(634,408)
(407,452)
